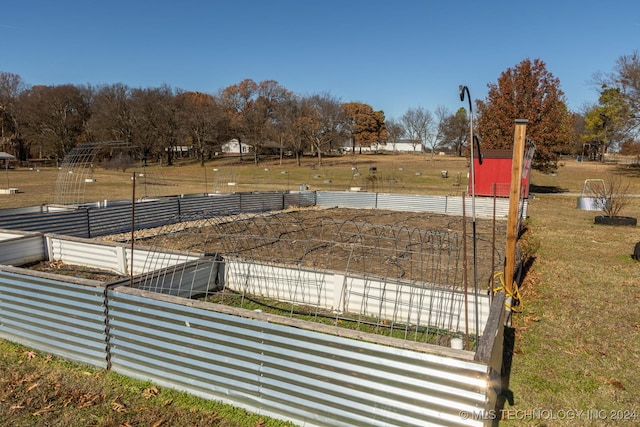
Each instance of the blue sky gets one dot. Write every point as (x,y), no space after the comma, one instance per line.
(392,55)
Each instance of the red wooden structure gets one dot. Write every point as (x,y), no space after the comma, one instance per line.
(495,172)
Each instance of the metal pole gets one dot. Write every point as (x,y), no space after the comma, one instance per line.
(462,90)
(133,226)
(464,274)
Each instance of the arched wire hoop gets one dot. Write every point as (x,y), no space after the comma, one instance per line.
(77,167)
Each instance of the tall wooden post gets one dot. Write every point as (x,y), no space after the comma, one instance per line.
(514,203)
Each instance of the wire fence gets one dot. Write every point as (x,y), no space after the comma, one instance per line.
(370,270)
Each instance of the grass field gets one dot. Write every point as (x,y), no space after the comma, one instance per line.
(575,341)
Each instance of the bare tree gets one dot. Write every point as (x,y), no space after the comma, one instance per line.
(203,121)
(11,87)
(111,119)
(625,78)
(237,101)
(325,123)
(613,196)
(55,118)
(395,131)
(156,130)
(420,127)
(455,130)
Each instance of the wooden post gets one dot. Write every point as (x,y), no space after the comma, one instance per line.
(514,203)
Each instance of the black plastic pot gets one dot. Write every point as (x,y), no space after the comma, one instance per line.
(616,220)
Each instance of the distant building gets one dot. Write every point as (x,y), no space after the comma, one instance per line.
(233,147)
(402,146)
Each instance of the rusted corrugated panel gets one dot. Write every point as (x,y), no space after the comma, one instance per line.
(63,318)
(292,373)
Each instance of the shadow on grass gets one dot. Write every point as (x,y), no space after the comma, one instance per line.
(629,171)
(506,395)
(547,189)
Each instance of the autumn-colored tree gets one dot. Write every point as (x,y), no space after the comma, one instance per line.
(626,80)
(203,121)
(237,100)
(527,91)
(252,109)
(367,126)
(606,124)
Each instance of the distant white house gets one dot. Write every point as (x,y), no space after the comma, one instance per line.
(234,145)
(402,146)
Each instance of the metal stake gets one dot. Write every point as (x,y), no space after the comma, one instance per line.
(473,140)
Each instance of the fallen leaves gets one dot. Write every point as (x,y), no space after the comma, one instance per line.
(150,392)
(44,410)
(615,383)
(118,406)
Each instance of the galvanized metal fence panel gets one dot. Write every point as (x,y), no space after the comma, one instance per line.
(155,213)
(112,219)
(308,377)
(186,280)
(491,348)
(300,199)
(29,210)
(346,199)
(412,203)
(450,205)
(226,204)
(297,285)
(209,205)
(87,253)
(22,249)
(112,257)
(398,301)
(70,222)
(63,318)
(115,217)
(484,207)
(261,202)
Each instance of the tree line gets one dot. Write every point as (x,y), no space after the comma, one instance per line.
(49,121)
